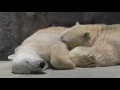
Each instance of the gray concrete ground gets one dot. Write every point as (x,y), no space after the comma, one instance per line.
(100,72)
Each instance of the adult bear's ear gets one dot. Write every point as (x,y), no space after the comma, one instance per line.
(86,35)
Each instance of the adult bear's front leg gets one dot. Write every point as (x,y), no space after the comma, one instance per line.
(60,57)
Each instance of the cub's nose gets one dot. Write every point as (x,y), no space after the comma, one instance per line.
(42,64)
(62,39)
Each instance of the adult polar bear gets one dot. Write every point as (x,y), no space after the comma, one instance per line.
(103,45)
(42,50)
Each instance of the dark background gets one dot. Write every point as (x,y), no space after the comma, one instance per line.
(16,26)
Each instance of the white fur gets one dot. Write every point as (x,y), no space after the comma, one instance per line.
(26,61)
(43,46)
(11,57)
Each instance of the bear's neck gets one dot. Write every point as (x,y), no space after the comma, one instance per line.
(95,31)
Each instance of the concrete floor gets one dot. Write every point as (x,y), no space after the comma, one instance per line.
(100,72)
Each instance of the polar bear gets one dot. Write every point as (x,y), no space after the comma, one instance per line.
(43,49)
(102,45)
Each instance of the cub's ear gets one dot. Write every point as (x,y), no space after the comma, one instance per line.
(86,35)
(77,23)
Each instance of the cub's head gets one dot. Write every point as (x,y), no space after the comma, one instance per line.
(75,36)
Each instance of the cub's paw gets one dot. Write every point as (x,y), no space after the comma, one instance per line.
(88,60)
(84,60)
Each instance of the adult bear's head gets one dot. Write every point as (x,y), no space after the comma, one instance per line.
(27,62)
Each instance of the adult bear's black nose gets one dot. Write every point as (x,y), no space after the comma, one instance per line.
(42,64)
